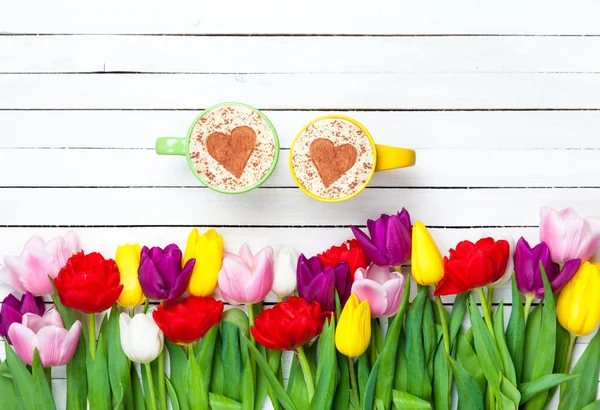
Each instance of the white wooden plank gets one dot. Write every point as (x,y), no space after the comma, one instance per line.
(435,168)
(416,129)
(180,206)
(298,54)
(376,17)
(384,91)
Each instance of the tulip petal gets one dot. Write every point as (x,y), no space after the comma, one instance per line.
(52,318)
(8,317)
(33,322)
(262,277)
(182,280)
(233,277)
(51,340)
(245,255)
(379,274)
(24,341)
(372,292)
(152,283)
(70,343)
(125,334)
(371,250)
(34,266)
(394,289)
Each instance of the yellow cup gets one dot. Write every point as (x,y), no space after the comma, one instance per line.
(383,158)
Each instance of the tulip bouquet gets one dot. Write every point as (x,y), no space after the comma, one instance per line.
(157,328)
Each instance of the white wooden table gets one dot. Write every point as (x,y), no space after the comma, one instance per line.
(500,99)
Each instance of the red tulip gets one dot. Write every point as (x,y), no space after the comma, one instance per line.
(89,283)
(288,325)
(473,265)
(188,320)
(350,252)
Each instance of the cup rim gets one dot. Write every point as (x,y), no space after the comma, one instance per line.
(373,148)
(260,181)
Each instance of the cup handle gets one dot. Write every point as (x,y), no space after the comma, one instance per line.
(393,157)
(171,146)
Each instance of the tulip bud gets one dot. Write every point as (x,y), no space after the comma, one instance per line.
(128,262)
(427,263)
(577,307)
(207,249)
(285,261)
(353,331)
(381,288)
(141,339)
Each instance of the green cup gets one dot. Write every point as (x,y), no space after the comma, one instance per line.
(221,119)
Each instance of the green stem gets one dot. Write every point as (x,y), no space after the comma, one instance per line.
(279,299)
(566,368)
(486,312)
(250,308)
(162,389)
(92,331)
(308,379)
(48,374)
(528,300)
(445,333)
(153,405)
(353,383)
(490,297)
(146,306)
(373,345)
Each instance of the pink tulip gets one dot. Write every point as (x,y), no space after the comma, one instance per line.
(39,259)
(55,344)
(245,278)
(382,288)
(568,235)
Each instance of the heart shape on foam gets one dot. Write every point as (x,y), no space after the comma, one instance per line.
(332,161)
(233,150)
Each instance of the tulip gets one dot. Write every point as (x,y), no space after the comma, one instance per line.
(89,283)
(390,239)
(288,325)
(353,331)
(207,249)
(55,344)
(188,320)
(568,235)
(529,275)
(577,307)
(13,310)
(29,271)
(349,252)
(161,275)
(128,262)
(426,260)
(141,338)
(285,263)
(246,278)
(381,288)
(510,266)
(316,282)
(473,265)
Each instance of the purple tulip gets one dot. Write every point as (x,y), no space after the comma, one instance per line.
(160,274)
(529,275)
(390,241)
(13,310)
(316,282)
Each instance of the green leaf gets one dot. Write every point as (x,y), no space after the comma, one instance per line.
(442,379)
(217,382)
(137,392)
(544,358)
(430,338)
(562,344)
(262,387)
(296,388)
(593,406)
(23,380)
(407,401)
(457,316)
(280,393)
(419,382)
(7,387)
(401,372)
(178,375)
(532,336)
(172,395)
(118,364)
(249,380)
(470,392)
(98,380)
(530,389)
(507,363)
(327,369)
(364,369)
(515,331)
(219,402)
(511,397)
(204,356)
(468,359)
(342,392)
(368,399)
(42,389)
(582,391)
(237,317)
(232,361)
(387,367)
(197,393)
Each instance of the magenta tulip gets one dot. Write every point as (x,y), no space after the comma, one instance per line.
(13,310)
(382,288)
(245,278)
(39,259)
(55,344)
(568,235)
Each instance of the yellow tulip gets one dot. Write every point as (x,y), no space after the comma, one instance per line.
(577,308)
(427,263)
(353,331)
(208,251)
(128,262)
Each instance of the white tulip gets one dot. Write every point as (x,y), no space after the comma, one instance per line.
(510,266)
(141,339)
(285,262)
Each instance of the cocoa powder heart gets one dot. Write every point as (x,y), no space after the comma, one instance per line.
(233,150)
(332,161)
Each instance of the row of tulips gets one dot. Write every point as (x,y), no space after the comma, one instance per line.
(344,314)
